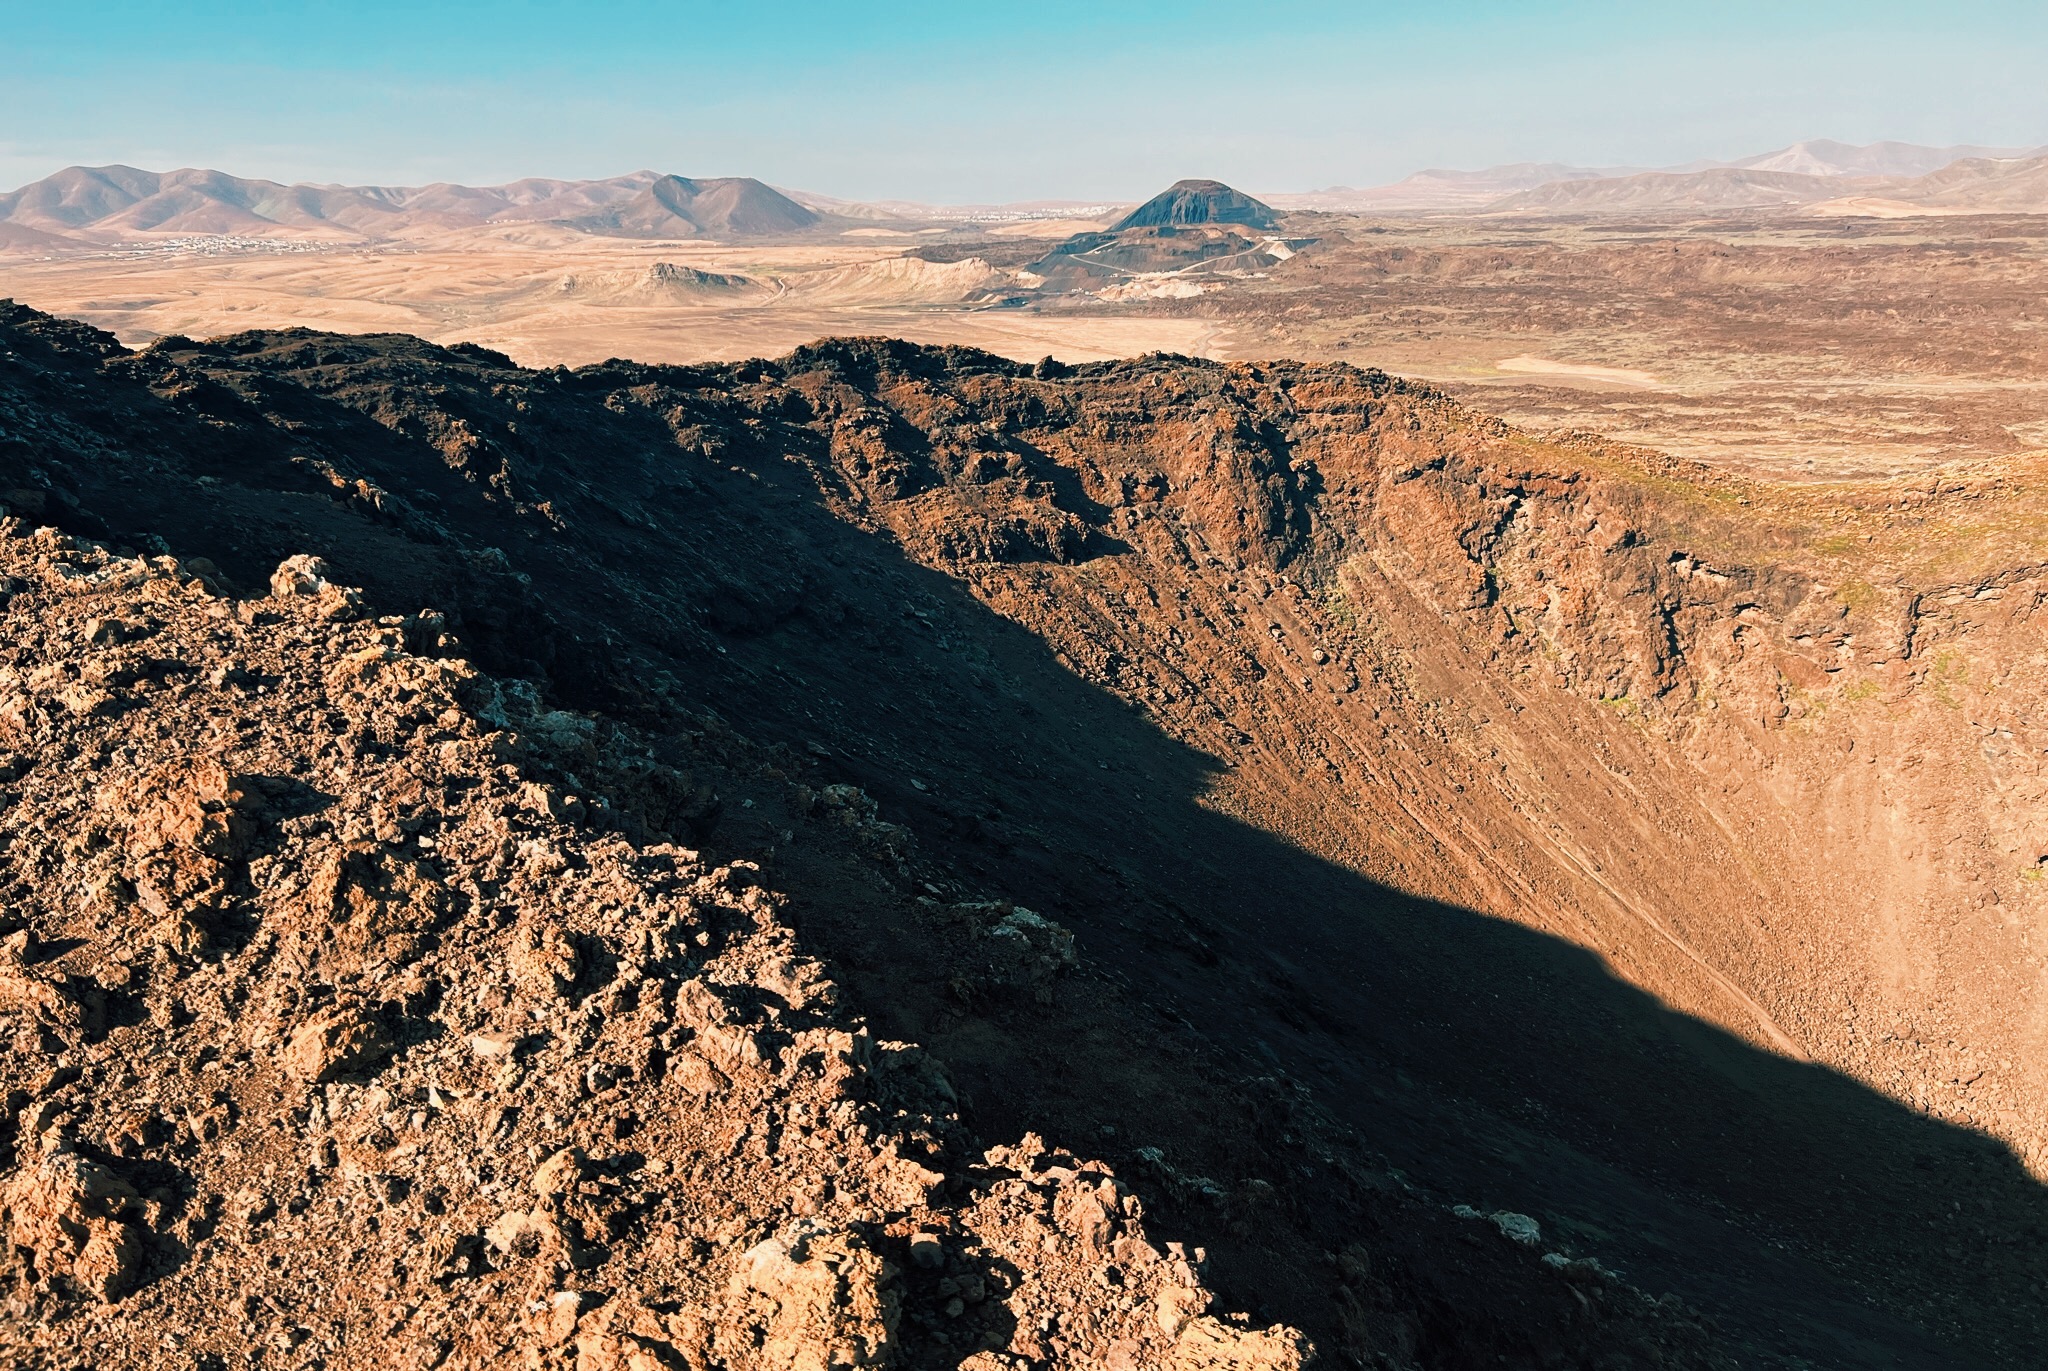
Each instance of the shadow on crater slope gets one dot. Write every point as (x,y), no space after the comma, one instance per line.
(650,540)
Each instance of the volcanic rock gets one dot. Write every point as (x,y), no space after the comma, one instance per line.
(1186,203)
(1559,887)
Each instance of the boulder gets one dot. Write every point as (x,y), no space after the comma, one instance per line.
(73,1222)
(815,1300)
(340,1042)
(300,575)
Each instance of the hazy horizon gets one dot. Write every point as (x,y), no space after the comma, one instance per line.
(1001,103)
(1132,197)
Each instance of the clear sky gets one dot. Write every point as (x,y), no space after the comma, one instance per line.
(988,100)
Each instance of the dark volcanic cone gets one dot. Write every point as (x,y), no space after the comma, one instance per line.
(1199,202)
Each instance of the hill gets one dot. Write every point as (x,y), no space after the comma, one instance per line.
(1440,189)
(125,200)
(1188,203)
(1525,186)
(722,207)
(1825,157)
(1983,185)
(1720,188)
(99,203)
(1974,185)
(1191,230)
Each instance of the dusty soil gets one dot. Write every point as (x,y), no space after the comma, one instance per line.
(1795,347)
(1445,818)
(1822,349)
(544,296)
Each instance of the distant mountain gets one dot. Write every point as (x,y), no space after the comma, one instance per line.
(1438,188)
(1721,188)
(1199,202)
(534,199)
(1825,157)
(1982,185)
(117,202)
(125,200)
(1190,233)
(722,207)
(114,204)
(1549,187)
(893,211)
(1971,185)
(918,212)
(21,238)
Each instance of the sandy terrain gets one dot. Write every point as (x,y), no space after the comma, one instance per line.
(1048,228)
(520,289)
(1544,366)
(1789,347)
(1794,346)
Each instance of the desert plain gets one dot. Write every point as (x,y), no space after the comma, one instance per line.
(1791,344)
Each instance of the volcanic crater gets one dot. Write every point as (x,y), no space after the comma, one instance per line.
(895,856)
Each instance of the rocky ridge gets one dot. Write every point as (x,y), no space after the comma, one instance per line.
(1333,720)
(349,1023)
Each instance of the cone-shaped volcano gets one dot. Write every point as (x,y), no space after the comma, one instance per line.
(1199,202)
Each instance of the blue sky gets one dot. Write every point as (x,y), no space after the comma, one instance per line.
(993,101)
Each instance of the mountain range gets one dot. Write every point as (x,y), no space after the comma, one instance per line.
(119,202)
(1972,185)
(1962,177)
(1825,157)
(111,204)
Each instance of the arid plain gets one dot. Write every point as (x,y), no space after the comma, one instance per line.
(1782,344)
(547,296)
